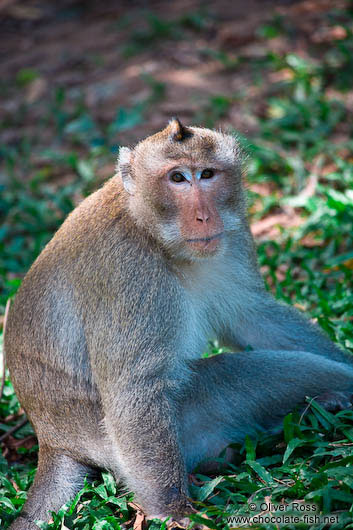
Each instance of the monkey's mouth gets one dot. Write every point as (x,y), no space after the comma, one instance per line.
(205,245)
(205,239)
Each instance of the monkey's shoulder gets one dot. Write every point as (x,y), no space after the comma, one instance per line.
(98,234)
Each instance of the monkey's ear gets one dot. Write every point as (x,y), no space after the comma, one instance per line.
(124,166)
(178,132)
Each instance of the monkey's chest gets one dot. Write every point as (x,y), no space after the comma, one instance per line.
(200,327)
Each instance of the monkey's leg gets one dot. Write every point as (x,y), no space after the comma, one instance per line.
(57,480)
(232,395)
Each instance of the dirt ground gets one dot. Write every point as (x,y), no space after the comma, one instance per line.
(83,46)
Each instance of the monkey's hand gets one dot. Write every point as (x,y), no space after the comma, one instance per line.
(175,516)
(184,523)
(335,401)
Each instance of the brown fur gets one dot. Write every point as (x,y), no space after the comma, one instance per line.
(105,336)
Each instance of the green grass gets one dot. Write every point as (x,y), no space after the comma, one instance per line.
(304,135)
(159,30)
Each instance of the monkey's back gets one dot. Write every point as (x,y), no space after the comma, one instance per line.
(45,341)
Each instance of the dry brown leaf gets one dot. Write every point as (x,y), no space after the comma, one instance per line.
(36,90)
(140,518)
(267,226)
(194,480)
(348,263)
(139,523)
(14,484)
(27,442)
(300,306)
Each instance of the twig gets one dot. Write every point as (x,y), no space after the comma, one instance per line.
(13,429)
(306,409)
(24,420)
(7,309)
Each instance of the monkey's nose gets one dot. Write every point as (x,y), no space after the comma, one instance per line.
(202,217)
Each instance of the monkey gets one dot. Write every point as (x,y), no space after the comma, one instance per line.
(105,337)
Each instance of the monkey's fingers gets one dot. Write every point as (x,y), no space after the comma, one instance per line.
(335,401)
(184,523)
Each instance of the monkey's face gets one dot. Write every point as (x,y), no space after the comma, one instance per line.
(190,209)
(185,189)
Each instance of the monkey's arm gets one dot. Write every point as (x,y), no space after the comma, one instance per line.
(132,339)
(262,322)
(141,421)
(234,395)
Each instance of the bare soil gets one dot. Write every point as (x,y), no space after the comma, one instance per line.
(83,45)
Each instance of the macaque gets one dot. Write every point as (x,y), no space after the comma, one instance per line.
(105,338)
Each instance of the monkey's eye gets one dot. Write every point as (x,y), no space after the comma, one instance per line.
(177,177)
(207,174)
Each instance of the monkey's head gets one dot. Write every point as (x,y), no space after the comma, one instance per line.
(184,186)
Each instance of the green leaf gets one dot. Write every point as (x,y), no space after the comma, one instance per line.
(206,490)
(109,483)
(126,119)
(7,502)
(261,471)
(101,491)
(291,446)
(250,449)
(202,520)
(322,413)
(85,170)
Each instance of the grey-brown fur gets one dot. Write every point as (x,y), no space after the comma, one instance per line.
(105,336)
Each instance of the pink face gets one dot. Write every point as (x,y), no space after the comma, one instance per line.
(185,189)
(194,192)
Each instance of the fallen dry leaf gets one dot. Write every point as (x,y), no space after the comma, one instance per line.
(269,225)
(139,523)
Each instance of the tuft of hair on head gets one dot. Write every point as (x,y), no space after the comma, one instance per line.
(178,131)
